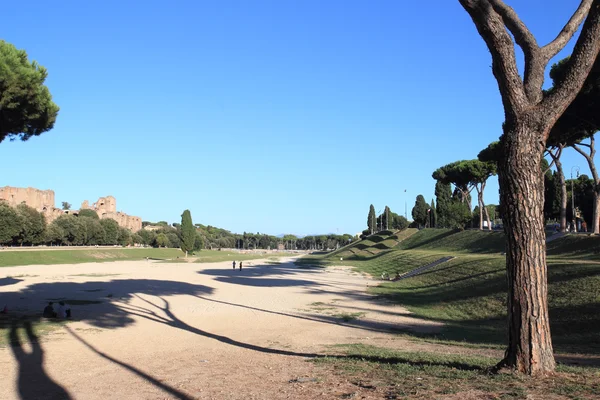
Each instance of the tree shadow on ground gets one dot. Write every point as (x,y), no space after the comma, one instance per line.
(150,379)
(9,281)
(33,382)
(101,309)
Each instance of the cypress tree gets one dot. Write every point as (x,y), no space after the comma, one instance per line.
(371,220)
(188,232)
(443,197)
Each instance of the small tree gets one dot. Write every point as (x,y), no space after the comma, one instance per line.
(162,240)
(10,223)
(188,232)
(66,206)
(111,231)
(371,220)
(443,196)
(86,212)
(419,211)
(432,215)
(33,225)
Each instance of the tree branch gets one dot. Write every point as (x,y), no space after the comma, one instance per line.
(583,153)
(535,62)
(567,32)
(579,66)
(492,29)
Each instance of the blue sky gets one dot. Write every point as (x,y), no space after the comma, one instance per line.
(260,116)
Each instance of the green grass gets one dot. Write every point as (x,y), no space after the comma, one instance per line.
(48,257)
(40,329)
(468,293)
(347,317)
(420,375)
(471,241)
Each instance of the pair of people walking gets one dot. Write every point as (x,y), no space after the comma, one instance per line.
(240,265)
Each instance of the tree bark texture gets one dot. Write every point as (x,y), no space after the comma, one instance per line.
(480,203)
(530,114)
(485,210)
(522,190)
(563,196)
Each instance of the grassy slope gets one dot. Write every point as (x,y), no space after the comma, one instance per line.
(47,257)
(469,292)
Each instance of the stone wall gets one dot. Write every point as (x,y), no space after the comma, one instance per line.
(43,201)
(35,198)
(106,207)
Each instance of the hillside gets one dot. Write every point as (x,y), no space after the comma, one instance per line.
(468,293)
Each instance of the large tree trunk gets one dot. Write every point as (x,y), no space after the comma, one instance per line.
(522,190)
(563,196)
(596,221)
(480,203)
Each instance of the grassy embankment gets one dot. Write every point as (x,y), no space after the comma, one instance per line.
(468,294)
(10,258)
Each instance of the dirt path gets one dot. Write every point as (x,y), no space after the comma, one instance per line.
(154,331)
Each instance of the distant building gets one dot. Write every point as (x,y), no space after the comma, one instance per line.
(43,201)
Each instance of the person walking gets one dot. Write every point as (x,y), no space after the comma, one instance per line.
(233,264)
(240,265)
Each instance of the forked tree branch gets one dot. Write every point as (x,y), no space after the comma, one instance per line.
(555,157)
(567,32)
(535,63)
(492,29)
(580,64)
(590,159)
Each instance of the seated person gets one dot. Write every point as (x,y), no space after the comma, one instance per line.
(49,311)
(60,312)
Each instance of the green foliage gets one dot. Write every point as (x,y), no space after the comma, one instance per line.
(10,223)
(71,228)
(111,230)
(492,153)
(33,225)
(198,242)
(66,205)
(55,234)
(432,215)
(371,220)
(92,230)
(148,237)
(174,240)
(443,195)
(419,211)
(581,119)
(26,107)
(459,215)
(137,239)
(188,232)
(124,237)
(162,240)
(88,213)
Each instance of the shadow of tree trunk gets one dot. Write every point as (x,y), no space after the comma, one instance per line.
(33,382)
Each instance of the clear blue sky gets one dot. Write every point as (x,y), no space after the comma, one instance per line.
(261,116)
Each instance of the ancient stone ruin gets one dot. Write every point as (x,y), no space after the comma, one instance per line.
(43,201)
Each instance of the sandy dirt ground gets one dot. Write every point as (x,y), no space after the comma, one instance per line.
(200,331)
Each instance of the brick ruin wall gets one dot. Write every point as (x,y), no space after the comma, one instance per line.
(43,201)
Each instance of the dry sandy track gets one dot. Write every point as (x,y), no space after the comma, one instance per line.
(192,331)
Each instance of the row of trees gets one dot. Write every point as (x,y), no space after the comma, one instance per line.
(214,238)
(386,220)
(23,225)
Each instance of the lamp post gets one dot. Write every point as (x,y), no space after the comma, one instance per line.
(573,198)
